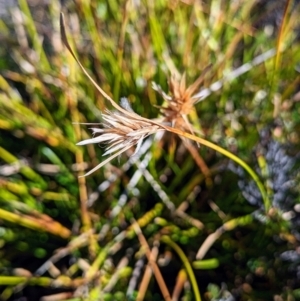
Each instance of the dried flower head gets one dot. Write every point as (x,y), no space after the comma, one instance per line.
(180,102)
(120,132)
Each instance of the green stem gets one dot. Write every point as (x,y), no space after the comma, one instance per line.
(15,280)
(166,239)
(231,156)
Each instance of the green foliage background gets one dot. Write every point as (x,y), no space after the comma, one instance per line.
(74,236)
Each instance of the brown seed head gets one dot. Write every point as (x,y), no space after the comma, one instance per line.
(180,102)
(120,132)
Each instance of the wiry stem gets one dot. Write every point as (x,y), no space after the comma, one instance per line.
(167,240)
(231,156)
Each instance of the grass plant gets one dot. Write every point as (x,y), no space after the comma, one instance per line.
(198,197)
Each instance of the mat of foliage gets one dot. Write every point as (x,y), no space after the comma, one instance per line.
(177,220)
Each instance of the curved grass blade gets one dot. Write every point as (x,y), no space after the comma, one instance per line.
(231,156)
(167,240)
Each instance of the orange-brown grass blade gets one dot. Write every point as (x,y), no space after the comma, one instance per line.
(149,255)
(192,88)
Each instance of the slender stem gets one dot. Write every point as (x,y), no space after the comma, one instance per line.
(231,156)
(156,271)
(167,240)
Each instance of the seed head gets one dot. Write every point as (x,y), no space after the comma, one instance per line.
(180,102)
(120,132)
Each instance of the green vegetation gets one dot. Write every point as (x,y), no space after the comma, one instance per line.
(208,207)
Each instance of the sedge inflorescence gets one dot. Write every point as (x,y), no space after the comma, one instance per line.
(120,132)
(122,128)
